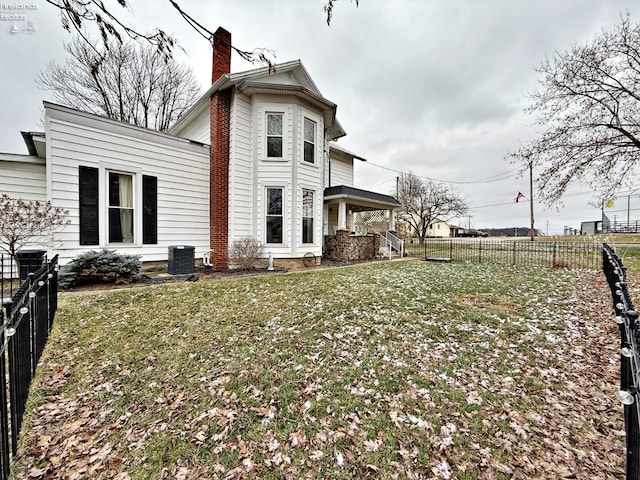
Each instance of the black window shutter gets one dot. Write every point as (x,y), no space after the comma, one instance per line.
(149,209)
(89,219)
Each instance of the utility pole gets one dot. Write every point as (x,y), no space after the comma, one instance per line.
(531,231)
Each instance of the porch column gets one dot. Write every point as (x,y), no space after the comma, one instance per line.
(392,220)
(325,219)
(342,215)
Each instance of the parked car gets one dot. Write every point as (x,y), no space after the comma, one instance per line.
(470,233)
(482,234)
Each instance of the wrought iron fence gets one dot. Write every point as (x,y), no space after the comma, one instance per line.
(510,252)
(627,319)
(25,319)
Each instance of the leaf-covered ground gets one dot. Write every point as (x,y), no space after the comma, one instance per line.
(388,370)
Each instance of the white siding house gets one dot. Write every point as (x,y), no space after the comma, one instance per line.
(178,211)
(272,172)
(275,197)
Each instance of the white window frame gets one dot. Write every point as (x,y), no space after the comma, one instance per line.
(267,136)
(313,142)
(134,209)
(305,217)
(267,214)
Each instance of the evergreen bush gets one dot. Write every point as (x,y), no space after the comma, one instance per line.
(100,266)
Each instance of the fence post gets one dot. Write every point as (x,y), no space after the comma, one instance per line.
(30,261)
(5,457)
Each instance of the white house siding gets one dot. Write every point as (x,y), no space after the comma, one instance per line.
(181,168)
(23,177)
(341,171)
(439,229)
(240,169)
(309,177)
(198,129)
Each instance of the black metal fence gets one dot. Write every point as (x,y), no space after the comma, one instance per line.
(622,227)
(511,252)
(627,319)
(25,319)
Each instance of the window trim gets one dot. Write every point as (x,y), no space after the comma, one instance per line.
(305,217)
(133,209)
(306,142)
(267,136)
(267,214)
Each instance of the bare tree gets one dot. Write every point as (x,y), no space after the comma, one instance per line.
(76,15)
(588,109)
(126,81)
(24,222)
(328,8)
(423,202)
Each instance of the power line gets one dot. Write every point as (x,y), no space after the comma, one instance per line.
(493,178)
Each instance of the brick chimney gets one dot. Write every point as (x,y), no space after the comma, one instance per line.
(219,159)
(221,54)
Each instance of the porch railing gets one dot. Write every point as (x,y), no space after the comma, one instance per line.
(390,243)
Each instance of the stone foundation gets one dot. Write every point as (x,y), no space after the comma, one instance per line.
(344,247)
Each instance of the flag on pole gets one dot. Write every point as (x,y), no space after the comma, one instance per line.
(519,196)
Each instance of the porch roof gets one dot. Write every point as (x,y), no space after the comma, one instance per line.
(362,198)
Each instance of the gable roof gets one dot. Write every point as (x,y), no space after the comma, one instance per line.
(289,78)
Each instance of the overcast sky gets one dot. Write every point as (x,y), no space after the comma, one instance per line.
(432,87)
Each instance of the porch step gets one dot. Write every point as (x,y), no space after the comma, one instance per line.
(385,253)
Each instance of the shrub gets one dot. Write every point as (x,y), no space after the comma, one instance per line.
(246,252)
(103,266)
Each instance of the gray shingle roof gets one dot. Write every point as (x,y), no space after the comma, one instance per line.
(343,190)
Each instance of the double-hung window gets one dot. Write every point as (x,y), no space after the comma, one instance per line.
(274,215)
(120,194)
(307,216)
(123,211)
(274,135)
(309,141)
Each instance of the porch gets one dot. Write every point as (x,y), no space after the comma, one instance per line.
(356,223)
